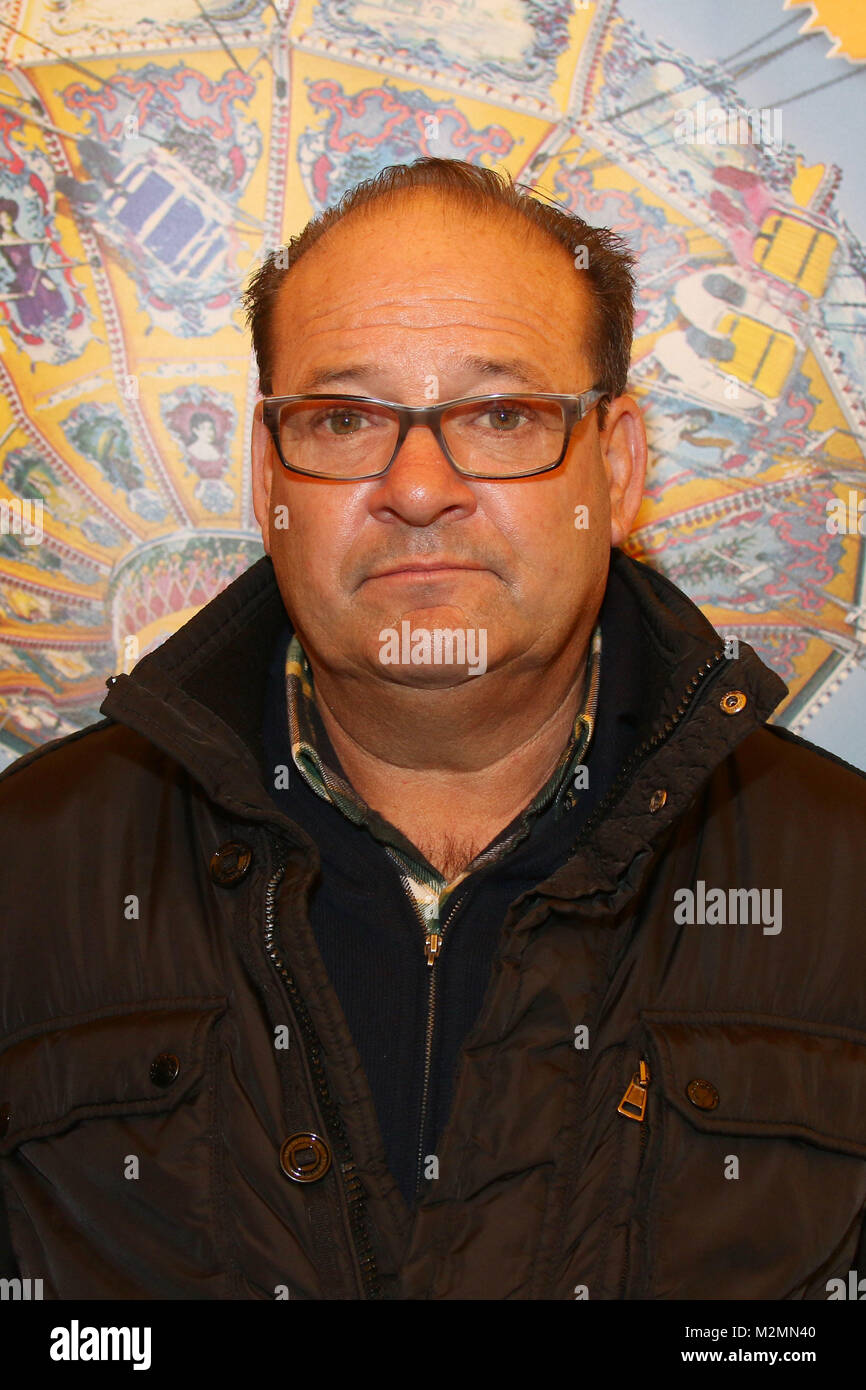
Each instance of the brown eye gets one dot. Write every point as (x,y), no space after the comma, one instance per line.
(505,418)
(344,422)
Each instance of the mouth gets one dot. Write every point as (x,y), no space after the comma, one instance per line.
(422,571)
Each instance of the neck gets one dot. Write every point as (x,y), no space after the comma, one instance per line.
(468,755)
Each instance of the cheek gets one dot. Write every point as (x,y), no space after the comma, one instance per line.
(570,541)
(589,510)
(318,542)
(548,528)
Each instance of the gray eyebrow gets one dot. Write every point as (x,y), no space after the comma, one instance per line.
(505,366)
(326,375)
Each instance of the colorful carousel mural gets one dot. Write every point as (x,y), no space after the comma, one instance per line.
(150,155)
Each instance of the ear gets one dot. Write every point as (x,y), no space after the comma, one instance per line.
(262,460)
(624,449)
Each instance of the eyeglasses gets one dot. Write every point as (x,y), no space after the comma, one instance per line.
(349,438)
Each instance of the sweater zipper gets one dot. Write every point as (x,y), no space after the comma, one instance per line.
(352,1186)
(433,943)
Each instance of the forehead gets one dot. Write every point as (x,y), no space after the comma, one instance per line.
(424,273)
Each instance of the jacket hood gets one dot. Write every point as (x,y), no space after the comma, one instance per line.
(200,698)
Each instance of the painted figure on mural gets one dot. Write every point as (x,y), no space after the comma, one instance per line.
(204,448)
(31,291)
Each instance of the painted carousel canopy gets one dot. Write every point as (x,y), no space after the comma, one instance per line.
(151,154)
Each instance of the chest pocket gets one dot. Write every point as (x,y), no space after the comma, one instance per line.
(106,1150)
(751,1179)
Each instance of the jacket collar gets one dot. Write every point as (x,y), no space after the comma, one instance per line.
(200,698)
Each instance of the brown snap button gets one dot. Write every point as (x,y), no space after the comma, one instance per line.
(305,1158)
(703,1094)
(230,863)
(733,702)
(5,1118)
(658,799)
(164,1069)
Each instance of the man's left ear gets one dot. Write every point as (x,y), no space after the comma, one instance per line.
(624,449)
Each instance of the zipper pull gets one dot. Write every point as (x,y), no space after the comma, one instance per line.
(432,946)
(633,1103)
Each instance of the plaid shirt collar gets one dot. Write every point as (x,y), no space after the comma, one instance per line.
(426,886)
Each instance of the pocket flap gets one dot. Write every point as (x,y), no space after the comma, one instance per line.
(765,1075)
(137,1058)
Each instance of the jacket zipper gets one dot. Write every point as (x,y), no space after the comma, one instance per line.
(634,1102)
(592,698)
(634,1105)
(628,768)
(433,943)
(352,1186)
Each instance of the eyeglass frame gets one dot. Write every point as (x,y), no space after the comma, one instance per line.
(575,409)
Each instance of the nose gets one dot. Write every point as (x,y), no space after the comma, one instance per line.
(422,483)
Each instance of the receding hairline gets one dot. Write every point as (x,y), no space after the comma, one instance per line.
(602,271)
(459,202)
(473,207)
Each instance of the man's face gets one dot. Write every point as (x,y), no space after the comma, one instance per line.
(399,304)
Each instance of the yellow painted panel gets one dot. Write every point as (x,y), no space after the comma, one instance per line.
(795,251)
(762,358)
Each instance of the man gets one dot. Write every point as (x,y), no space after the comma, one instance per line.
(480,945)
